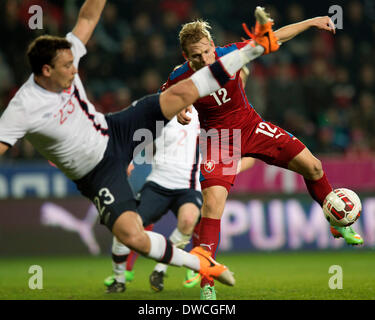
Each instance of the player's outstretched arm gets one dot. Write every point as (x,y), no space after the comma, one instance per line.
(88,18)
(290,31)
(3,148)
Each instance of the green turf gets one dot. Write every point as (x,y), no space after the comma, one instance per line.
(298,275)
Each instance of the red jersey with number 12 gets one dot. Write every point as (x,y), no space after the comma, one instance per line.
(227,108)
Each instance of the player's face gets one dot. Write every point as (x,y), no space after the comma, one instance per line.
(63,70)
(200,54)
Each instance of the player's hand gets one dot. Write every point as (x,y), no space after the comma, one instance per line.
(183,118)
(130,169)
(324,23)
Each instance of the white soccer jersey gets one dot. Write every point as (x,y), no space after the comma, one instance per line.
(177,159)
(64,127)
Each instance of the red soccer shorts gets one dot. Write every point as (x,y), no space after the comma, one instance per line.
(264,141)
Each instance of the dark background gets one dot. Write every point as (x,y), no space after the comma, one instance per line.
(319,87)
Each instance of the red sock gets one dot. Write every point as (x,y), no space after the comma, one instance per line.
(132,258)
(196,233)
(209,238)
(319,189)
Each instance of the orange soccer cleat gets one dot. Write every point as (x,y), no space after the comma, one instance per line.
(262,33)
(210,269)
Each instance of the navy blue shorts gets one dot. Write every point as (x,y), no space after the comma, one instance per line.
(107,185)
(155,201)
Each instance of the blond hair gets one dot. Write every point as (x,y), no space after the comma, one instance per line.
(193,32)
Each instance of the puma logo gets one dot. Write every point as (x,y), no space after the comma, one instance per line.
(55,216)
(209,246)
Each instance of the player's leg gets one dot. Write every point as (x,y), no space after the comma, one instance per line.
(107,186)
(128,229)
(154,202)
(311,169)
(318,186)
(193,278)
(214,198)
(132,258)
(116,282)
(123,260)
(276,146)
(187,216)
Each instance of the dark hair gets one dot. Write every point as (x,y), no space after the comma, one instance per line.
(43,50)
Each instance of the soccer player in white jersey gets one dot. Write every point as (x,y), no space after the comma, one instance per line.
(173,184)
(52,111)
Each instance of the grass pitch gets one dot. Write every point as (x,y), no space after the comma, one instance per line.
(259,276)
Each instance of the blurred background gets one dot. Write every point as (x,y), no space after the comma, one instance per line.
(318,86)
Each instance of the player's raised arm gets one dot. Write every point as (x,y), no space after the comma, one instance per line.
(290,31)
(3,148)
(88,18)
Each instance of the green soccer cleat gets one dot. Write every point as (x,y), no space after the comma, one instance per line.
(208,293)
(191,279)
(129,276)
(109,280)
(350,236)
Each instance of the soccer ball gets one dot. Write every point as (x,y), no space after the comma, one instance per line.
(342,207)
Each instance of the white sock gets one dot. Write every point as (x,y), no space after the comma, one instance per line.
(161,267)
(235,60)
(206,82)
(119,249)
(178,239)
(119,271)
(178,258)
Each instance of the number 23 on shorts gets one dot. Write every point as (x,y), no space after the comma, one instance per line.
(104,197)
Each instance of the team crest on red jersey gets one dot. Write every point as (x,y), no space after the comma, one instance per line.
(209,166)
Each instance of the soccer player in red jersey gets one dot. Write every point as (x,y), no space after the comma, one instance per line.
(231,129)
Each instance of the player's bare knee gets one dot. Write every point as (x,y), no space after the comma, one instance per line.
(210,206)
(186,224)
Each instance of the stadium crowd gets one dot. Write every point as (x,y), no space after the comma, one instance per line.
(319,87)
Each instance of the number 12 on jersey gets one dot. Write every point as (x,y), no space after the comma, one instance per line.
(221,96)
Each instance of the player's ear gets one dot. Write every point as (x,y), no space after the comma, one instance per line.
(46,70)
(184,55)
